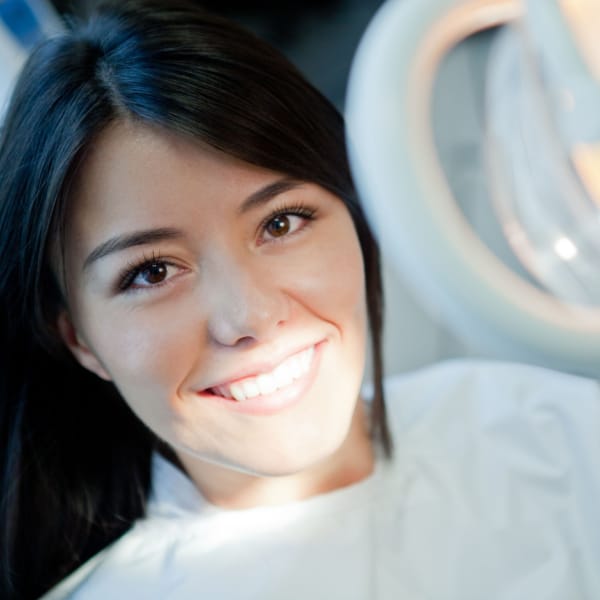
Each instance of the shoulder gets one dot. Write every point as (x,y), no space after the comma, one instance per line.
(501,430)
(133,563)
(136,564)
(504,458)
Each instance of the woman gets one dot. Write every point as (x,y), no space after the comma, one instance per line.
(188,287)
(237,154)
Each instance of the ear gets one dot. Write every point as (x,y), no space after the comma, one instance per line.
(80,350)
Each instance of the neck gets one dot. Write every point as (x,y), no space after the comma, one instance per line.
(228,488)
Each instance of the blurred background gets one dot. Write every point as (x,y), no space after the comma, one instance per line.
(320,37)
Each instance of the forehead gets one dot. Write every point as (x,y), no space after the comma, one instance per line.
(133,172)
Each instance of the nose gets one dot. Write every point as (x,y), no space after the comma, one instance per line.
(244,300)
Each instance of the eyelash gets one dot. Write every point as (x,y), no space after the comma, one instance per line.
(129,273)
(295,210)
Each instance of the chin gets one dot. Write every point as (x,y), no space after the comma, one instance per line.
(286,459)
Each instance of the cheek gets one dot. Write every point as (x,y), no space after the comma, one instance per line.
(334,283)
(145,350)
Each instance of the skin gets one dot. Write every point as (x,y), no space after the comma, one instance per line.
(235,292)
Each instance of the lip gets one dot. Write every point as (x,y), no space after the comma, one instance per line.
(263,367)
(269,404)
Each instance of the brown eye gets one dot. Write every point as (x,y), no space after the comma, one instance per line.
(278,226)
(148,275)
(285,223)
(154,273)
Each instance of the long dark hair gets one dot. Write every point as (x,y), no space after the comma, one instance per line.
(74,460)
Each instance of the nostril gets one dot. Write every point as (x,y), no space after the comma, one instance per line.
(245,341)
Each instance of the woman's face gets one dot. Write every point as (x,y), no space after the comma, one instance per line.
(226,302)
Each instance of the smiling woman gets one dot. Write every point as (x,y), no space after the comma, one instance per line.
(187,292)
(189,234)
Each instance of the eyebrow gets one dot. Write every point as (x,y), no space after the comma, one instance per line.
(268,192)
(149,236)
(129,240)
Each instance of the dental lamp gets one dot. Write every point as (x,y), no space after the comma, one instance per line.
(474,140)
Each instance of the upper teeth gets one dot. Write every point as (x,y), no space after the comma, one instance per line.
(289,370)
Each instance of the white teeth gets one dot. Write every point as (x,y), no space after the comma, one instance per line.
(283,375)
(296,366)
(266,384)
(250,389)
(236,391)
(306,358)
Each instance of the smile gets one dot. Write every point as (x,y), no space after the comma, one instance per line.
(282,376)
